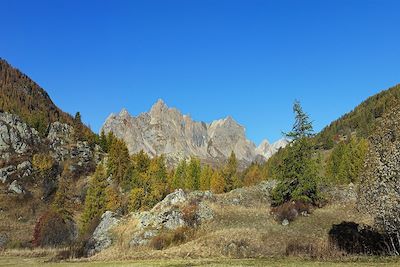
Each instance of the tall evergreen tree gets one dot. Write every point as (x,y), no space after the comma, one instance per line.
(96,200)
(298,174)
(217,183)
(205,177)
(193,174)
(119,163)
(180,175)
(230,173)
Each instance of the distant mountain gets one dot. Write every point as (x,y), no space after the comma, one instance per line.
(167,131)
(21,96)
(267,150)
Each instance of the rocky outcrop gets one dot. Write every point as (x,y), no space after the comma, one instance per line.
(167,131)
(170,214)
(19,143)
(102,237)
(16,137)
(177,209)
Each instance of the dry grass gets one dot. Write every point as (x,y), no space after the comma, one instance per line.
(241,231)
(248,232)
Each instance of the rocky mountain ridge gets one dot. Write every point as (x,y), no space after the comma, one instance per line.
(167,131)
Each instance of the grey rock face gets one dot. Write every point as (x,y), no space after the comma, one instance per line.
(16,136)
(166,215)
(6,172)
(60,135)
(101,238)
(165,130)
(16,188)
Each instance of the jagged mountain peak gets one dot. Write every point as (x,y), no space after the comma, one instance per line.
(159,106)
(167,131)
(124,113)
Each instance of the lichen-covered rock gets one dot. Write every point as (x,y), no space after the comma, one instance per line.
(101,238)
(15,135)
(166,215)
(379,192)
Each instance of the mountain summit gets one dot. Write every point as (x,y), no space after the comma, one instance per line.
(167,131)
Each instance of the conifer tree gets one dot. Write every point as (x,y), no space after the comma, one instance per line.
(62,203)
(96,199)
(252,175)
(119,163)
(298,174)
(192,181)
(230,173)
(180,175)
(205,178)
(217,183)
(103,141)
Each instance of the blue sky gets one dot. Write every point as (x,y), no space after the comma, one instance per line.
(248,59)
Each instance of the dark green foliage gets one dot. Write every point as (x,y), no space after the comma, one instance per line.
(298,172)
(193,174)
(96,199)
(230,173)
(302,126)
(180,175)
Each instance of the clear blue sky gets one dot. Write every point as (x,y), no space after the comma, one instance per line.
(249,59)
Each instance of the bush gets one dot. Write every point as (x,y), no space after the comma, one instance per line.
(360,239)
(175,237)
(52,230)
(290,210)
(189,214)
(42,162)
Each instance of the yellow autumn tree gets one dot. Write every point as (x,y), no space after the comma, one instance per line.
(217,183)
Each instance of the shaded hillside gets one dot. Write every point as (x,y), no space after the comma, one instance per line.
(22,96)
(362,119)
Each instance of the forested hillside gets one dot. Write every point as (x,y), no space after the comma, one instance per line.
(21,96)
(361,120)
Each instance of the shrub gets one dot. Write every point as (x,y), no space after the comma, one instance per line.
(290,210)
(189,214)
(52,230)
(360,239)
(161,241)
(174,237)
(42,162)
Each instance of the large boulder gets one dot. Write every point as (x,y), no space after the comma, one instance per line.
(178,209)
(102,238)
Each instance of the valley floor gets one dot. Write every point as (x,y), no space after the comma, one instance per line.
(19,261)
